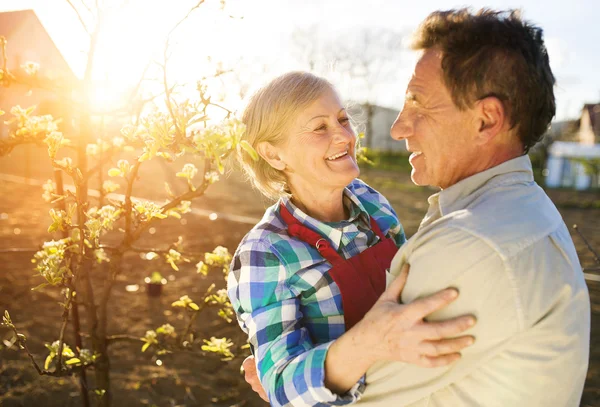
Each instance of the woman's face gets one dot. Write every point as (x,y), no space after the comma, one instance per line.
(319,150)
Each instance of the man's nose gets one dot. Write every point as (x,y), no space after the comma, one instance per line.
(402,127)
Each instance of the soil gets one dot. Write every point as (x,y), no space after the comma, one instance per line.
(183,379)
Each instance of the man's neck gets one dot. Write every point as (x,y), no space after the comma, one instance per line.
(491,157)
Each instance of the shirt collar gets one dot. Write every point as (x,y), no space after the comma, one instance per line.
(357,212)
(461,194)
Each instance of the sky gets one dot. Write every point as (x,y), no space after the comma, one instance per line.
(254,38)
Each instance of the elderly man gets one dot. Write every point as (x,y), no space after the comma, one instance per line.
(480,96)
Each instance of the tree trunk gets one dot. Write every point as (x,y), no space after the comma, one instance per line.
(102,368)
(369,127)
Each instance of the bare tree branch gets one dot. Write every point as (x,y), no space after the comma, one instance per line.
(183,19)
(589,246)
(79,16)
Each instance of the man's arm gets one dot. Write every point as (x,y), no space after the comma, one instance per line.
(451,258)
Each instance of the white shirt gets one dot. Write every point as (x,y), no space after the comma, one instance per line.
(499,239)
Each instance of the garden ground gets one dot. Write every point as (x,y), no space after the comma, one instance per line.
(185,379)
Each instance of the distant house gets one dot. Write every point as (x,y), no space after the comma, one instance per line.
(378,131)
(28,41)
(571,165)
(573,157)
(589,128)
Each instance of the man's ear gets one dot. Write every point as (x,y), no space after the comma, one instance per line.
(491,118)
(270,154)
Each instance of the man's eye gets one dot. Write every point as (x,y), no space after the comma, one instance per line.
(321,127)
(344,120)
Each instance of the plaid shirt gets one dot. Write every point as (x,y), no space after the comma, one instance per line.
(289,305)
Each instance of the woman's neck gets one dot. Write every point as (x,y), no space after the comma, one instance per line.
(323,206)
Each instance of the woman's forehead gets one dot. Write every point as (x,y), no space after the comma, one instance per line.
(327,104)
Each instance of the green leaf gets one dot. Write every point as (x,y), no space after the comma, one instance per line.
(48,361)
(144,157)
(73,361)
(114,172)
(194,306)
(146,346)
(173,265)
(249,149)
(39,286)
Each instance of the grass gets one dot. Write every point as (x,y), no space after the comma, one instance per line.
(386,160)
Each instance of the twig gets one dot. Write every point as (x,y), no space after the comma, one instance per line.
(19,250)
(65,318)
(191,321)
(165,81)
(229,112)
(590,248)
(83,24)
(188,196)
(143,250)
(103,160)
(87,7)
(122,338)
(184,18)
(128,240)
(23,345)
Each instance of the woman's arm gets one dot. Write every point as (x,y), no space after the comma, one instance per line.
(391,331)
(290,365)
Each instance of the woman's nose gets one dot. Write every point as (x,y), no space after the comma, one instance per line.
(344,134)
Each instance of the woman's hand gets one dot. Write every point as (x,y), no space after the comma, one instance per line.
(391,331)
(251,377)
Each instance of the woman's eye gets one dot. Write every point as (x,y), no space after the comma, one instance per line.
(321,127)
(344,120)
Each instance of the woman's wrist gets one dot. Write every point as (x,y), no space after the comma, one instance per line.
(348,359)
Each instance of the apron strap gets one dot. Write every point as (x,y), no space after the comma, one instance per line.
(375,228)
(297,229)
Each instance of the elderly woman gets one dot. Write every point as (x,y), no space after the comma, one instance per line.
(304,278)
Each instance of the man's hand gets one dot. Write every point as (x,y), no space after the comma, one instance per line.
(251,376)
(394,331)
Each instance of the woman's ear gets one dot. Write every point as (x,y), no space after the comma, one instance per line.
(491,118)
(270,154)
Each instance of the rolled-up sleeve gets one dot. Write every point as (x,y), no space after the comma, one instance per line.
(291,366)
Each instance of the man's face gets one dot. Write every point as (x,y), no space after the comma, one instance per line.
(439,135)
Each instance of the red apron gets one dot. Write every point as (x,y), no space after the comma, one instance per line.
(361,279)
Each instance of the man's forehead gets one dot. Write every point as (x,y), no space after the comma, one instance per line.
(427,70)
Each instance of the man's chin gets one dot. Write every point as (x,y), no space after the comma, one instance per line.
(418,179)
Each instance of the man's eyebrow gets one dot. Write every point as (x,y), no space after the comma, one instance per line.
(411,97)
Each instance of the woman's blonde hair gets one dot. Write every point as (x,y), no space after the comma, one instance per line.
(267,117)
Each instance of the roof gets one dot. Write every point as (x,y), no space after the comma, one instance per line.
(11,21)
(593,110)
(574,150)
